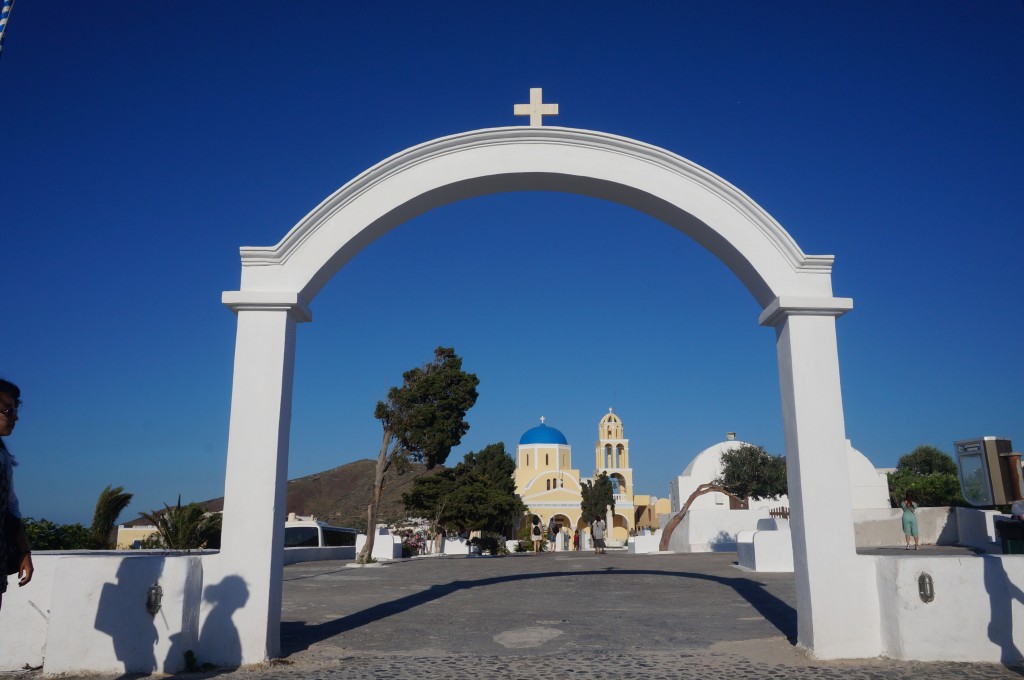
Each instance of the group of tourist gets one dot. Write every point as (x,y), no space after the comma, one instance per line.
(554,530)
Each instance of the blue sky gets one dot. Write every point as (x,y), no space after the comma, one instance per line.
(143,145)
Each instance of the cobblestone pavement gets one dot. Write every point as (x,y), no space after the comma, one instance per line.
(556,616)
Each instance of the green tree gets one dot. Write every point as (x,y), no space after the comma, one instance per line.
(598,495)
(111,502)
(186,527)
(422,421)
(749,471)
(478,494)
(930,473)
(46,535)
(926,460)
(430,496)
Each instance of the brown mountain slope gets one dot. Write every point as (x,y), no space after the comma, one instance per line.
(339,496)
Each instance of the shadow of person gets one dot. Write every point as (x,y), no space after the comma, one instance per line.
(121,614)
(1002,593)
(219,632)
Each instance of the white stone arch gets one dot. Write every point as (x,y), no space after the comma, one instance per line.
(794,290)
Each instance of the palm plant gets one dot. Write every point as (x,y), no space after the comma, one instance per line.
(111,502)
(187,527)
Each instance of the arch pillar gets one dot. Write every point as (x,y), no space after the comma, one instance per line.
(836,595)
(252,542)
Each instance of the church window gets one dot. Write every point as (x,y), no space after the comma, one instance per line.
(548,482)
(527,460)
(546,459)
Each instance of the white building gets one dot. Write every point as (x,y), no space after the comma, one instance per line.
(714,519)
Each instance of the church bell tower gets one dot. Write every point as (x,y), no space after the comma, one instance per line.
(611,453)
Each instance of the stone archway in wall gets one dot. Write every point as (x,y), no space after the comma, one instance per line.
(794,290)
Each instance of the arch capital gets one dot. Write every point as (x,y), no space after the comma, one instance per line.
(783,307)
(262,301)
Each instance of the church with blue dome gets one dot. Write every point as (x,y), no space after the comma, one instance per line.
(552,488)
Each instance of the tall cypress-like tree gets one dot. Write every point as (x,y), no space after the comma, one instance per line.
(598,496)
(422,421)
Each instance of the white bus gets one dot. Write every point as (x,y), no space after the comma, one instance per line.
(317,534)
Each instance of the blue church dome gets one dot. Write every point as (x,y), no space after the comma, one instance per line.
(542,434)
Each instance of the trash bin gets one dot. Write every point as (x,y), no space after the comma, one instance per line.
(1011,534)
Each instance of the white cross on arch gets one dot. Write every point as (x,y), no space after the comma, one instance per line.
(535,109)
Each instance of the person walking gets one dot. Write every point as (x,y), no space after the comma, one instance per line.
(12,531)
(597,532)
(909,506)
(576,540)
(536,534)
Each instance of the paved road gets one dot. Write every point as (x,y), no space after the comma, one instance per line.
(559,616)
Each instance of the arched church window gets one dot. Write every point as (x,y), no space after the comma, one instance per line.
(527,460)
(546,459)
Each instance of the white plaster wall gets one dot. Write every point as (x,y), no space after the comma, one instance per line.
(455,546)
(98,619)
(713,530)
(977,613)
(868,487)
(645,543)
(385,545)
(769,548)
(976,528)
(26,615)
(884,526)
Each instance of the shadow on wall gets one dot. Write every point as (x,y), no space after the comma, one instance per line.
(723,542)
(1002,592)
(119,614)
(139,636)
(219,630)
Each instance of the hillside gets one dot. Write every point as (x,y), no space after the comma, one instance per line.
(340,495)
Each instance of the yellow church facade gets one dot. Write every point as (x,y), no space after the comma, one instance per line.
(551,487)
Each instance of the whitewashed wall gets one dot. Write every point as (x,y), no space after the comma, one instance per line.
(977,613)
(92,611)
(884,527)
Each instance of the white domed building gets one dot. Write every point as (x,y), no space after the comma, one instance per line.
(714,518)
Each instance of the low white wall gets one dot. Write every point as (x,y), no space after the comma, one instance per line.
(884,527)
(385,545)
(86,612)
(768,548)
(713,530)
(976,529)
(644,543)
(977,613)
(455,546)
